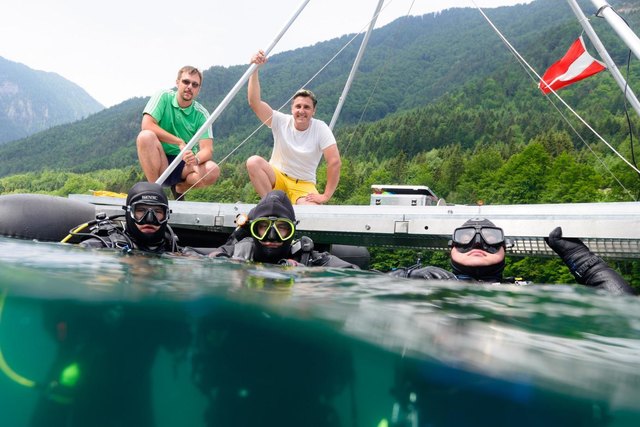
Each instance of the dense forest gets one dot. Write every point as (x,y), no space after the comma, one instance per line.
(451,109)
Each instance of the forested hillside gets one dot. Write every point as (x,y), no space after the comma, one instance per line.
(411,63)
(438,101)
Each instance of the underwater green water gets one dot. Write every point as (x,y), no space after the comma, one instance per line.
(96,338)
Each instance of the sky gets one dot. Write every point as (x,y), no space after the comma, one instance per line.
(118,49)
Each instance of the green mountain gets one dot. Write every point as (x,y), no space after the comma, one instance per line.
(32,101)
(438,101)
(424,82)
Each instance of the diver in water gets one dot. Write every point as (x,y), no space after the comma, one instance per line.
(101,375)
(430,395)
(255,368)
(146,224)
(267,237)
(478,250)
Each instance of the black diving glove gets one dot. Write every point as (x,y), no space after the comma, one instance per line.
(432,273)
(588,268)
(399,272)
(427,273)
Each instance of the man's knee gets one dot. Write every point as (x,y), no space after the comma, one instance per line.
(199,179)
(212,173)
(146,139)
(255,163)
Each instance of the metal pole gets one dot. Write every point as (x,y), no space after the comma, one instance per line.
(613,69)
(354,68)
(225,102)
(618,24)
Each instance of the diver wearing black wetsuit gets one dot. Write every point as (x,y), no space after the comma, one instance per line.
(146,224)
(478,250)
(268,237)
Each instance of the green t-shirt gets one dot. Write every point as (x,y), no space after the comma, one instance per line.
(181,122)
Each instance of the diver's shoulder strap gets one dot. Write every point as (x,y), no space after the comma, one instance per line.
(107,232)
(302,248)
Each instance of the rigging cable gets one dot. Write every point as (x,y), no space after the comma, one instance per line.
(363,28)
(599,14)
(626,111)
(374,88)
(577,133)
(523,62)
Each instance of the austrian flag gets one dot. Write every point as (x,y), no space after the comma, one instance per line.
(576,65)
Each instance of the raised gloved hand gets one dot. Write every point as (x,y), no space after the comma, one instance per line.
(586,267)
(573,252)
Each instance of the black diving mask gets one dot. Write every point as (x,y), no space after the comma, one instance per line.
(144,213)
(488,239)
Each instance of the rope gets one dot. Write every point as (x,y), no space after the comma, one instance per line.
(375,86)
(362,29)
(524,63)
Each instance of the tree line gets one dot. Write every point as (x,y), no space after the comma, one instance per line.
(547,169)
(450,111)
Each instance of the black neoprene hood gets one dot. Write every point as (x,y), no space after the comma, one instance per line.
(275,203)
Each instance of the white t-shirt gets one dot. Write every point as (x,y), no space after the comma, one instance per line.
(298,153)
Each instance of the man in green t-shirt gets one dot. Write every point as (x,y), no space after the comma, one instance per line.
(169,121)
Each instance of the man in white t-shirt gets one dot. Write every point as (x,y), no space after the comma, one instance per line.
(299,142)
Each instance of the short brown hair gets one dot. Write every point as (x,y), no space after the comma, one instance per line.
(190,70)
(306,93)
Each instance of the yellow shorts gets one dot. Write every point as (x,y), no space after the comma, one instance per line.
(293,188)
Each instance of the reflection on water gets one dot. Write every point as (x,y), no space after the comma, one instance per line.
(99,338)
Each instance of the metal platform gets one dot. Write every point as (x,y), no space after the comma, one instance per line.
(610,229)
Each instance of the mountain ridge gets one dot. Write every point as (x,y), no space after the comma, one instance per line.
(32,101)
(413,63)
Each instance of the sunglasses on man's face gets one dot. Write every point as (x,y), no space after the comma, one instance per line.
(188,83)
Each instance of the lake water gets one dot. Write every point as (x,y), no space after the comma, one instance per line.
(97,338)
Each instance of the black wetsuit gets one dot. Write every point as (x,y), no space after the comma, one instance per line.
(301,253)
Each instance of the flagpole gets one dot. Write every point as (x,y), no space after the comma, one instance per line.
(619,25)
(223,104)
(613,69)
(354,68)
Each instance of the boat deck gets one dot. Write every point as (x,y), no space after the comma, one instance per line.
(610,229)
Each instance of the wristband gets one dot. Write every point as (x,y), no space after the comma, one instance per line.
(585,266)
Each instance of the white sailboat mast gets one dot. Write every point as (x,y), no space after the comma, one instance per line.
(227,99)
(354,68)
(611,66)
(617,23)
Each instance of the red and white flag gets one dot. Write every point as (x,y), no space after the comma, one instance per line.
(575,65)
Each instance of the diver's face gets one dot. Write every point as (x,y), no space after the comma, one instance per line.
(271,243)
(476,257)
(148,218)
(148,228)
